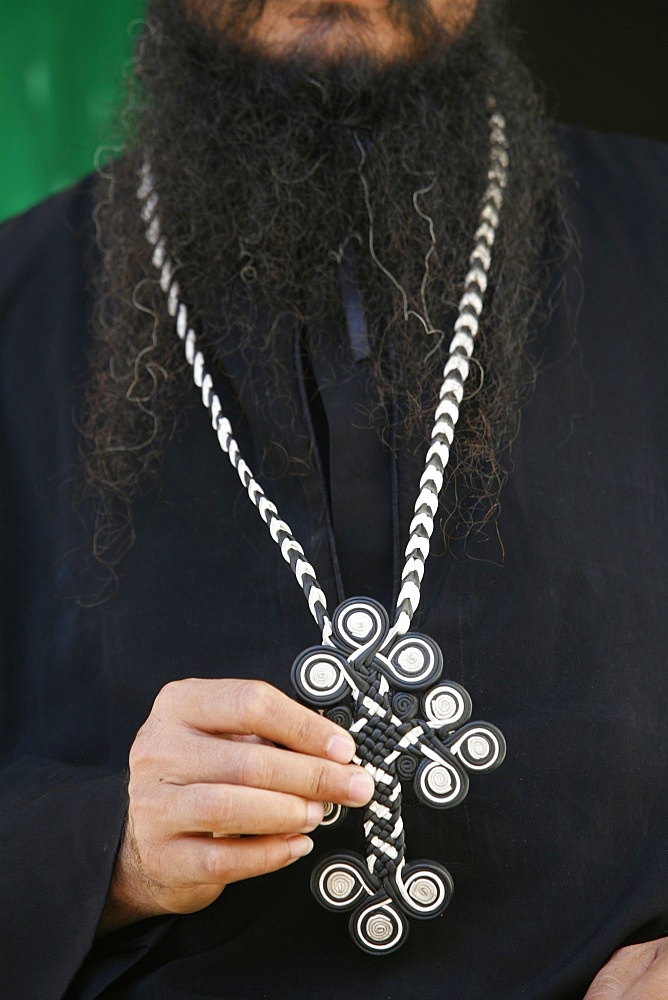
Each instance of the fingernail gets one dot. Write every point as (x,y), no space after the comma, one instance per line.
(341,748)
(314,815)
(299,846)
(360,788)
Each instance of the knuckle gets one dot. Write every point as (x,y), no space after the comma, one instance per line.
(167,695)
(255,770)
(221,811)
(218,864)
(141,752)
(220,872)
(257,701)
(155,864)
(303,728)
(212,808)
(146,812)
(321,785)
(173,693)
(149,750)
(269,859)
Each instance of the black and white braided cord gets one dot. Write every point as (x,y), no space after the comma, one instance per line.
(455,373)
(280,531)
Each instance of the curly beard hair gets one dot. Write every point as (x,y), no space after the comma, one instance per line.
(267,174)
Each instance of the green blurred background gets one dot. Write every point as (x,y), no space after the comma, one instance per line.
(62,62)
(61,66)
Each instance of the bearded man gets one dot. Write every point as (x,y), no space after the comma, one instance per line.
(313,198)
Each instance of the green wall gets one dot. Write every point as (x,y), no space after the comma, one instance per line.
(60,79)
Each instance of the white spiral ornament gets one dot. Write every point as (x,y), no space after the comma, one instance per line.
(434,750)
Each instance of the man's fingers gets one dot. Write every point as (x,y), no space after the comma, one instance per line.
(256,765)
(254,707)
(200,764)
(210,861)
(626,975)
(235,809)
(653,985)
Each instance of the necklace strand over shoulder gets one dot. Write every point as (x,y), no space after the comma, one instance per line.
(375,677)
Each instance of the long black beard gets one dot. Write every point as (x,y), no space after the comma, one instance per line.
(268,175)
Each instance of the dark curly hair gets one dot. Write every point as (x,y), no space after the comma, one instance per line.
(266,173)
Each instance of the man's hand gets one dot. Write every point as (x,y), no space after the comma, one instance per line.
(213,800)
(637,972)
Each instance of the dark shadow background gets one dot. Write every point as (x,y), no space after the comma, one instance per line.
(603,63)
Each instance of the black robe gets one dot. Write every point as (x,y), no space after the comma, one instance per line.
(558,631)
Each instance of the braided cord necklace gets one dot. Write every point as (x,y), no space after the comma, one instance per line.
(377,679)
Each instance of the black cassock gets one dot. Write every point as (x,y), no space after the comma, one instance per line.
(556,626)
